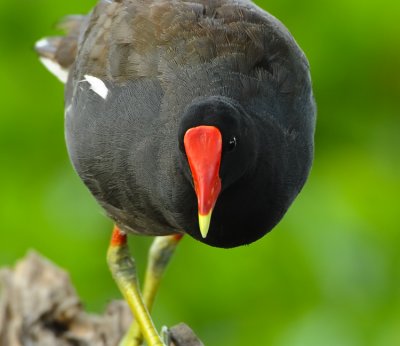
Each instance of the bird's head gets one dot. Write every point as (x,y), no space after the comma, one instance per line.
(217,140)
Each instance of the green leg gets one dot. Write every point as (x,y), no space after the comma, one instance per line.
(159,255)
(123,269)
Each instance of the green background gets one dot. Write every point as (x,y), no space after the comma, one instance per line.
(329,274)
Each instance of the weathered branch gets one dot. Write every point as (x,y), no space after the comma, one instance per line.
(39,306)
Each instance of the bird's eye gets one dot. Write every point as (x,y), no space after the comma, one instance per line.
(232,143)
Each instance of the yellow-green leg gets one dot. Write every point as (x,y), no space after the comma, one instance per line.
(123,269)
(159,255)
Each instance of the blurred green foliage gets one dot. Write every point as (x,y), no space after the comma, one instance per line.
(327,275)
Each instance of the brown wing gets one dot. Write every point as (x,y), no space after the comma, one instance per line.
(130,39)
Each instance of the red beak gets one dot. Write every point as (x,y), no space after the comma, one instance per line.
(203,146)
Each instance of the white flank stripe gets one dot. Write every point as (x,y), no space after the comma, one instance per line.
(44,42)
(55,69)
(97,85)
(67,110)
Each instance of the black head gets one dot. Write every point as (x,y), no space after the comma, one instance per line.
(248,203)
(239,136)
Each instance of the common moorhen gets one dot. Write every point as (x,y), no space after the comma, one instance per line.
(183,117)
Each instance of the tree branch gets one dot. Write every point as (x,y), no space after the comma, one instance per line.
(39,306)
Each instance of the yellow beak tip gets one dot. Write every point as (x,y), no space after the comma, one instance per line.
(204,224)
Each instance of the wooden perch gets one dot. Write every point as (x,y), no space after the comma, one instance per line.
(39,307)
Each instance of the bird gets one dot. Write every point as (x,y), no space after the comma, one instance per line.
(183,117)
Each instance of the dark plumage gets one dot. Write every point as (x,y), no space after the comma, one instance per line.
(170,66)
